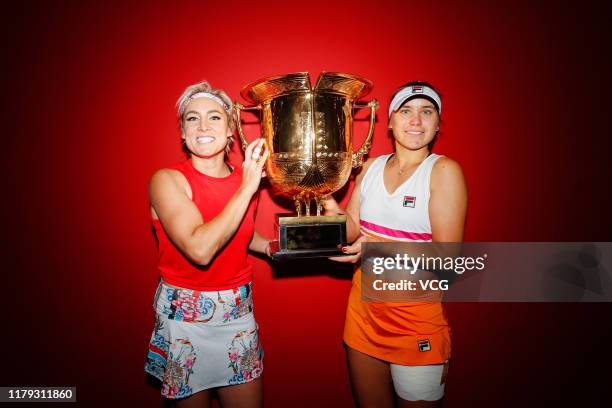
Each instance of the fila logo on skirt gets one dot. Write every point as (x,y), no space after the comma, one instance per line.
(409,201)
(424,345)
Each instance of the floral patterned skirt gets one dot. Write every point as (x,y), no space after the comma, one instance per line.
(203,340)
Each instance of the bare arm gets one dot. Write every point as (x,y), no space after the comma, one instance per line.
(352,207)
(260,244)
(448,201)
(352,219)
(182,221)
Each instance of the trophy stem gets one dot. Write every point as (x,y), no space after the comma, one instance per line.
(319,205)
(298,206)
(298,200)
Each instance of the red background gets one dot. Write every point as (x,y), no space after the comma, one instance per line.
(89,116)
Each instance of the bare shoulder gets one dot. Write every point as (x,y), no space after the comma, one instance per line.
(446,165)
(164,179)
(446,170)
(366,165)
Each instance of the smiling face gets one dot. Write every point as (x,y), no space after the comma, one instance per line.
(205,127)
(415,124)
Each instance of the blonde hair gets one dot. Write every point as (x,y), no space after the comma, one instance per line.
(204,86)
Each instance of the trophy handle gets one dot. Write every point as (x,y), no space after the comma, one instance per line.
(238,108)
(367,144)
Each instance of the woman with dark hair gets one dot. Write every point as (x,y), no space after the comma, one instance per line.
(203,210)
(399,352)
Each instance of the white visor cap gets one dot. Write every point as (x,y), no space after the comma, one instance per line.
(412,91)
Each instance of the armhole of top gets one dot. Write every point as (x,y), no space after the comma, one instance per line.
(184,172)
(430,169)
(371,169)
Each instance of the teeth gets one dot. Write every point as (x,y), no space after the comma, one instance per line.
(204,139)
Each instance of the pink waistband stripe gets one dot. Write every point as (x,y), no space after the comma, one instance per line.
(421,236)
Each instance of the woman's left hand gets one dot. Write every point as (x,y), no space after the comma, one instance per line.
(353,252)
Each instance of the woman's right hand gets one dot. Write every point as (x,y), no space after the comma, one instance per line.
(255,157)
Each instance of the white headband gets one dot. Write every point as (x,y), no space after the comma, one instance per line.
(415,90)
(206,95)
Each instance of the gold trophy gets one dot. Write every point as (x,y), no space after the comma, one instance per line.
(309,134)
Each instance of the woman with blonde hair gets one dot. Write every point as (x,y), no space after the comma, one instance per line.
(203,210)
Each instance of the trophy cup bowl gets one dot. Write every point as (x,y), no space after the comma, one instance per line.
(309,135)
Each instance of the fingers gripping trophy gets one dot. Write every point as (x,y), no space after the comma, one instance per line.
(309,135)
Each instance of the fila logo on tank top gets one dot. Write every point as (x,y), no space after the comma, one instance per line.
(403,215)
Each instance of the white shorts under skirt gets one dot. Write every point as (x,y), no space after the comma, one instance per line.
(203,340)
(419,383)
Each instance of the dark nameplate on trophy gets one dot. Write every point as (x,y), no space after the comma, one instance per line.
(309,134)
(309,237)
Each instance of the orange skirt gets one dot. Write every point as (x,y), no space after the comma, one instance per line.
(407,333)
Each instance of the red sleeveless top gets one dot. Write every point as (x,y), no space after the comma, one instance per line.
(229,268)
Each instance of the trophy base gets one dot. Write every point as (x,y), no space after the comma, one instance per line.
(309,237)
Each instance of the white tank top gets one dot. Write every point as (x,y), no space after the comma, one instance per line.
(403,215)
